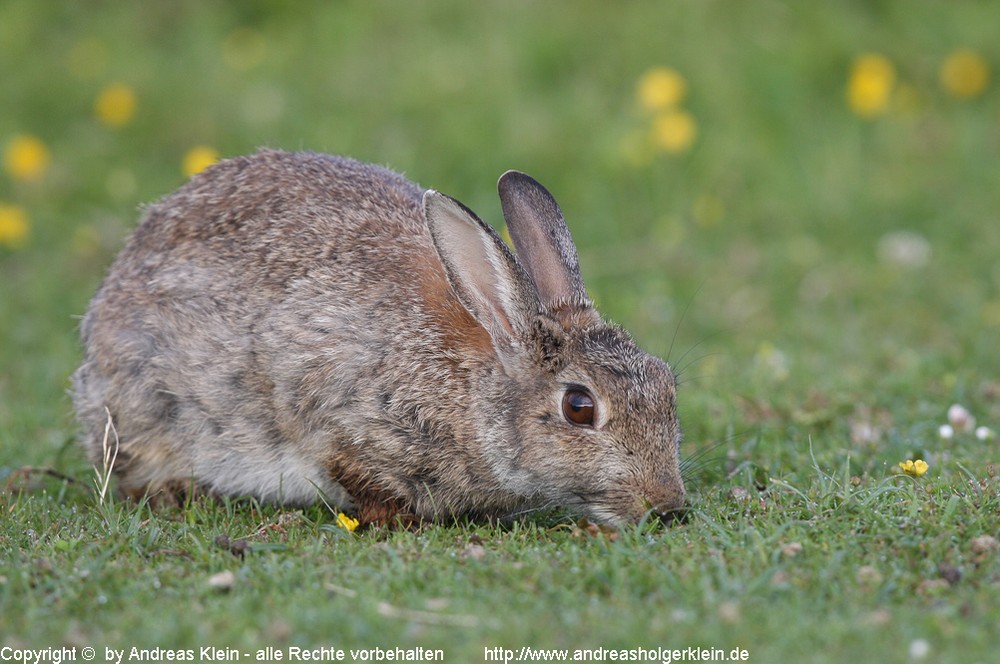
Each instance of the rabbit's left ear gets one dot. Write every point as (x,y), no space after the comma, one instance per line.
(541,237)
(482,271)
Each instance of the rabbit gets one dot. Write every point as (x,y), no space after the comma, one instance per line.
(296,327)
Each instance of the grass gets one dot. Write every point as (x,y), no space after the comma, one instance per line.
(759,260)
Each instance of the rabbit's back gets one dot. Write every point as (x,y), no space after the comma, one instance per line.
(280,213)
(247,319)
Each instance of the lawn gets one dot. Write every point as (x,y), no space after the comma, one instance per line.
(795,204)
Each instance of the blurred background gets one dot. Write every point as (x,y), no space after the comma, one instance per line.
(795,202)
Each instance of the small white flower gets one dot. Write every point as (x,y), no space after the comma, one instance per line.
(984,433)
(960,418)
(222,581)
(904,249)
(946,431)
(919,648)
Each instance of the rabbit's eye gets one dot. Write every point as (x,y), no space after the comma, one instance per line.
(578,407)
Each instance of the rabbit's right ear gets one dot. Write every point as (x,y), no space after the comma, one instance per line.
(482,270)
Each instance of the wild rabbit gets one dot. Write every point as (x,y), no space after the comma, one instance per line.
(288,325)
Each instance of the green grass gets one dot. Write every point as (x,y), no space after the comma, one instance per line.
(811,364)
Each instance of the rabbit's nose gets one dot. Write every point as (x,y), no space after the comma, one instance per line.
(668,505)
(671,515)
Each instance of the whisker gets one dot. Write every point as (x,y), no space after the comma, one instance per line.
(678,369)
(693,380)
(695,468)
(534,509)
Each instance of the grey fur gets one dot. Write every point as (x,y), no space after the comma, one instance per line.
(292,323)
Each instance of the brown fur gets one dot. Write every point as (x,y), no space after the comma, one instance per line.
(288,325)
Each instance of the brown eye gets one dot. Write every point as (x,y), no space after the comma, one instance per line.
(578,407)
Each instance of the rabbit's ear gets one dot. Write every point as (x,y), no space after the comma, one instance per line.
(482,270)
(542,240)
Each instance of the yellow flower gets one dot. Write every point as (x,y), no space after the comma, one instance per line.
(346,522)
(674,131)
(660,88)
(198,159)
(965,74)
(13,226)
(870,85)
(115,105)
(26,158)
(914,468)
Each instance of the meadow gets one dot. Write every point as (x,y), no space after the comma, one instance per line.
(794,203)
